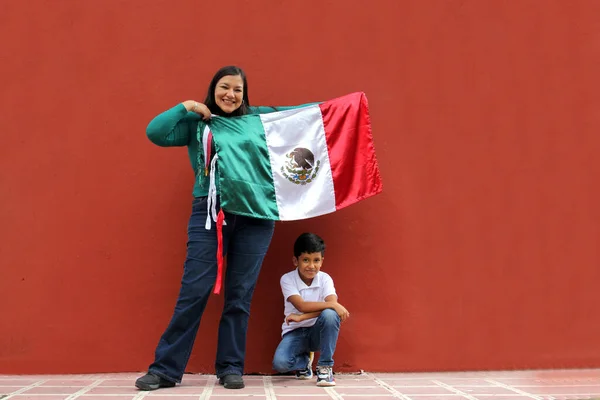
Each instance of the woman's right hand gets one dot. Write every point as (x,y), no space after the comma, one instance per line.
(198,108)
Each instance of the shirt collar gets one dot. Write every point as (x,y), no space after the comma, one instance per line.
(315,283)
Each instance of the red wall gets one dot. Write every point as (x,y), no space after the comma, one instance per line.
(482,252)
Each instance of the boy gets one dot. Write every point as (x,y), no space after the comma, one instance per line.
(312,314)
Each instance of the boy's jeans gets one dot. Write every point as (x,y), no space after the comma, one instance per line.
(245,241)
(292,352)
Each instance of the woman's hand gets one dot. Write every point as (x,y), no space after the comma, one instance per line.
(198,108)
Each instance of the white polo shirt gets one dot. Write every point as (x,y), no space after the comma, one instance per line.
(292,284)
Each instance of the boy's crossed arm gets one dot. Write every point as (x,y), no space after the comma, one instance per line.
(312,309)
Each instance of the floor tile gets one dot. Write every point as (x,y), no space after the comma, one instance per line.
(114,390)
(53,390)
(300,397)
(260,390)
(5,390)
(438,397)
(477,390)
(68,382)
(566,390)
(360,390)
(434,390)
(233,397)
(117,382)
(407,382)
(464,381)
(166,397)
(112,397)
(17,382)
(312,389)
(516,396)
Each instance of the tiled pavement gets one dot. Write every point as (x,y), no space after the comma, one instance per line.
(541,385)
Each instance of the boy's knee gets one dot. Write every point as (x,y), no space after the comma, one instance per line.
(329,316)
(281,364)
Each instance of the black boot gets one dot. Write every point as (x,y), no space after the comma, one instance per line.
(151,381)
(232,381)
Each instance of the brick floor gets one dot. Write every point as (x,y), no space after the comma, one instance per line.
(505,385)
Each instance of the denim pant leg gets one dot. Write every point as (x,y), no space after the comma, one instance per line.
(292,352)
(324,336)
(248,245)
(200,271)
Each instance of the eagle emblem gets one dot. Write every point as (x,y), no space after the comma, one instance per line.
(300,167)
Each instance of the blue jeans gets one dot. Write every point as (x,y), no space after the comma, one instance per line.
(245,241)
(292,352)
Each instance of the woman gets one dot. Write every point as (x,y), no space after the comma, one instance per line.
(245,241)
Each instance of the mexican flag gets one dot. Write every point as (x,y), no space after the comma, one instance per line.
(298,163)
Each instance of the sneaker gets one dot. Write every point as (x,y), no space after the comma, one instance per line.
(151,381)
(232,381)
(306,373)
(325,376)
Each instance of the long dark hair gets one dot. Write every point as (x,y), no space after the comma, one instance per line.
(210,96)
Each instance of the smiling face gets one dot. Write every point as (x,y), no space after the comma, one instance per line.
(309,264)
(229,93)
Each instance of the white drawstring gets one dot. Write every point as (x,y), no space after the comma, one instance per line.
(212,195)
(205,147)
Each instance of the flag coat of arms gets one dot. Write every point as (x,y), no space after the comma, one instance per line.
(298,163)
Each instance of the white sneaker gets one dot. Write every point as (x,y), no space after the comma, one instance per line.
(325,376)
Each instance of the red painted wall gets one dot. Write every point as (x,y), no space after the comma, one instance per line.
(482,252)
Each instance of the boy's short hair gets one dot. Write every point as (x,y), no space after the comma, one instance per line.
(309,243)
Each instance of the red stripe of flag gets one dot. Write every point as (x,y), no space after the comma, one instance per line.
(351,150)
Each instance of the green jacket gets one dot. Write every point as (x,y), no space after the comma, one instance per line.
(179,127)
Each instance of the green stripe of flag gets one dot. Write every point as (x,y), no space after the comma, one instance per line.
(244,136)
